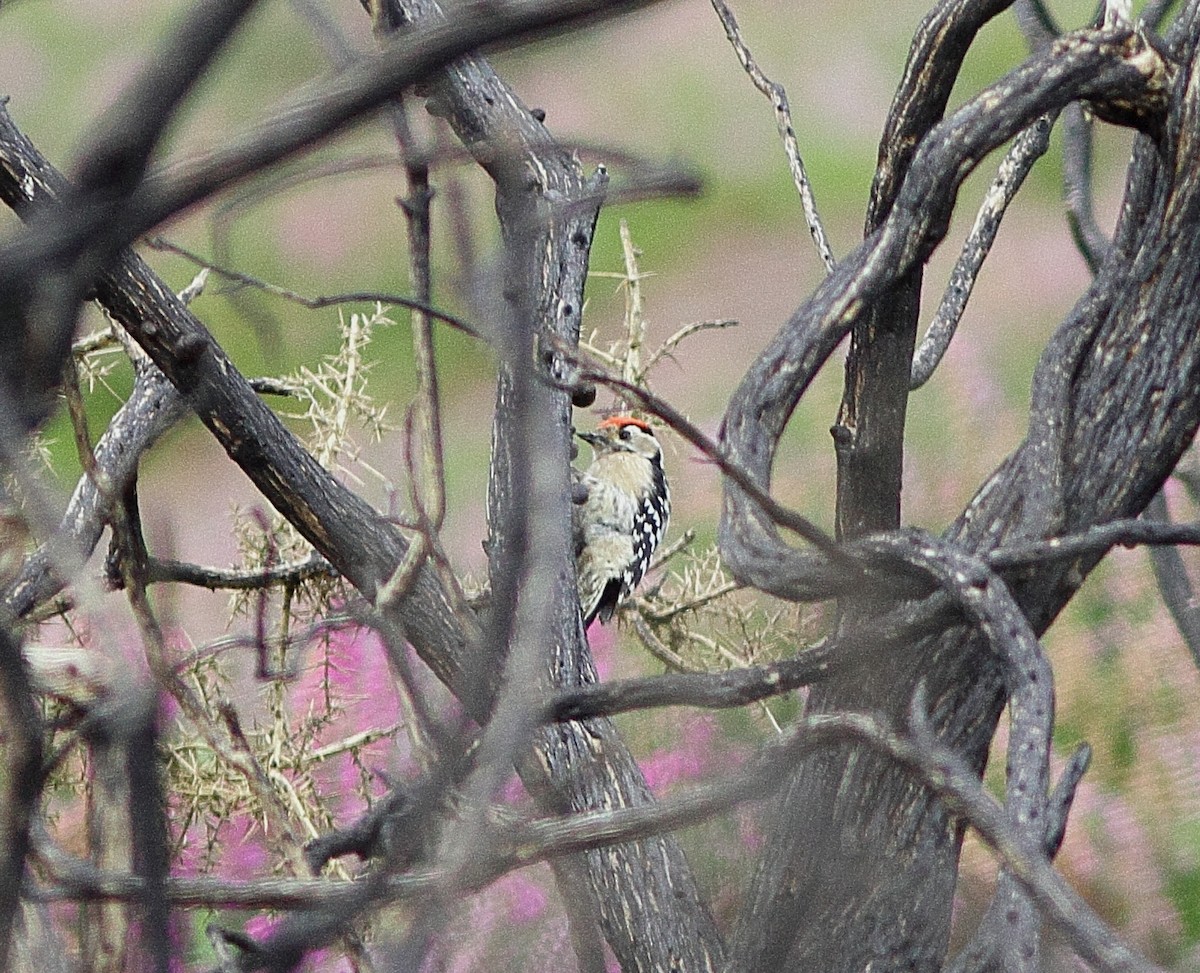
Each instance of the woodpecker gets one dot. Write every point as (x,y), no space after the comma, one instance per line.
(624,516)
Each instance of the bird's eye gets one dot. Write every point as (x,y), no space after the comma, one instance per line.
(624,434)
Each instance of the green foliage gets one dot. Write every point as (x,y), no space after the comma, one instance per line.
(1183,876)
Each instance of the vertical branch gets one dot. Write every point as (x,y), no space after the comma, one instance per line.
(22,783)
(869,432)
(148,827)
(1078,187)
(416,207)
(1040,31)
(645,894)
(1029,683)
(127,830)
(105,925)
(635,312)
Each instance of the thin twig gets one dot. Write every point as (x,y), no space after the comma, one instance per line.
(232,747)
(516,845)
(657,647)
(1127,532)
(635,312)
(783,121)
(665,349)
(691,604)
(314,303)
(1176,587)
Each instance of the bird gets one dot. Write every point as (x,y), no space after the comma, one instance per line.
(624,516)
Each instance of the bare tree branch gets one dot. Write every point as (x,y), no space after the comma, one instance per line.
(1089,63)
(526,842)
(1173,581)
(152,408)
(1026,149)
(919,841)
(787,132)
(547,213)
(22,783)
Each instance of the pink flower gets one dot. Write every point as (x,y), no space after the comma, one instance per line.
(527,899)
(603,641)
(686,760)
(664,767)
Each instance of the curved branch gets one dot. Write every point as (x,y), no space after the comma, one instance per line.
(869,431)
(1077,187)
(994,932)
(1029,682)
(1089,64)
(1121,441)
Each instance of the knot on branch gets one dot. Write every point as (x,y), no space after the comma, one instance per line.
(1141,102)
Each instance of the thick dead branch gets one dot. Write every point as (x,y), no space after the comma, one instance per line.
(22,784)
(1120,443)
(869,430)
(355,539)
(1087,64)
(1029,684)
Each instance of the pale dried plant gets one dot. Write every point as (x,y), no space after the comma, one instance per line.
(206,791)
(336,394)
(285,743)
(96,358)
(627,355)
(698,619)
(337,403)
(16,531)
(709,623)
(265,775)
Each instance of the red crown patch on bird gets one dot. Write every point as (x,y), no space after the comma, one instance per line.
(614,422)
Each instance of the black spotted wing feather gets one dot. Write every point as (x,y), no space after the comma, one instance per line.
(650,526)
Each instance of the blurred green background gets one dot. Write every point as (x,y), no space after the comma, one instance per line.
(663,84)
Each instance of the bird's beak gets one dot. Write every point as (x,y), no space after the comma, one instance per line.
(591,438)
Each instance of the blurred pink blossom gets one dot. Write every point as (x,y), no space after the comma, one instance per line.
(685,760)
